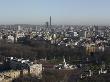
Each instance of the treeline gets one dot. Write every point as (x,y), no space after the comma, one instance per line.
(39,49)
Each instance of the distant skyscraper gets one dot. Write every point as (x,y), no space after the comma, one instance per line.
(50,21)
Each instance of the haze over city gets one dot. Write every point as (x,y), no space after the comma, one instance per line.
(62,11)
(54,41)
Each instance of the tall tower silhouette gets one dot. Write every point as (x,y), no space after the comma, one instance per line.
(50,21)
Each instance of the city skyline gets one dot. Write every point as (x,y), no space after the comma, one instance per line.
(61,11)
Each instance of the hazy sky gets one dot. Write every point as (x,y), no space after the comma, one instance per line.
(62,11)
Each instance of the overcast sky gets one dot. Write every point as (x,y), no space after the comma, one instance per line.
(62,11)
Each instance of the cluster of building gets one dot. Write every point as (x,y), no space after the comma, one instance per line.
(18,68)
(92,37)
(62,35)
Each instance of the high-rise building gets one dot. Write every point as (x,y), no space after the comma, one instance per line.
(50,21)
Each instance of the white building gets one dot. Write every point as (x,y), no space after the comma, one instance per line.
(19,35)
(19,28)
(10,38)
(75,34)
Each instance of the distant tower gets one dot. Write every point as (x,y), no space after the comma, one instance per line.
(50,21)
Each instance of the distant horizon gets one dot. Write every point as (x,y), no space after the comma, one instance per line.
(60,24)
(70,12)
